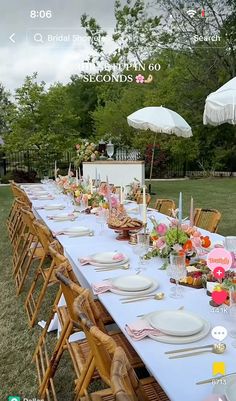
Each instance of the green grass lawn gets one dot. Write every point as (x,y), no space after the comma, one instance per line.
(216,193)
(17,341)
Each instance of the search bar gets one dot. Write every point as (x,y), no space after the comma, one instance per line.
(59,37)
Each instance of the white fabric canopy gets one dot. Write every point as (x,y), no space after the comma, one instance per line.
(220,105)
(160,119)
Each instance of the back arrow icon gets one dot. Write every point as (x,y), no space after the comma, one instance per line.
(12,38)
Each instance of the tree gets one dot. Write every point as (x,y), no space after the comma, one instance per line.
(6,111)
(43,122)
(134,35)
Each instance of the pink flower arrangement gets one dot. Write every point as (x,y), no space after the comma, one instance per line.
(161,229)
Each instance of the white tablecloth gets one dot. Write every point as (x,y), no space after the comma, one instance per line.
(177,377)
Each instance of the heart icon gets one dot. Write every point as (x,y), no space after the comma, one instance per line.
(219,297)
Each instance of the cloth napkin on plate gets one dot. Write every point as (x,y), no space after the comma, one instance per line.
(215,397)
(118,257)
(140,329)
(104,286)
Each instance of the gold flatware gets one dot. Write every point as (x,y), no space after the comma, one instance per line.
(176,351)
(216,349)
(158,296)
(214,378)
(143,298)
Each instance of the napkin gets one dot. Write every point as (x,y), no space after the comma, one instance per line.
(215,397)
(118,257)
(140,329)
(104,286)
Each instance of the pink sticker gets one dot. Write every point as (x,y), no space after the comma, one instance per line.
(219,257)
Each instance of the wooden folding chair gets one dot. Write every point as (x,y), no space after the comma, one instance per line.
(102,343)
(79,351)
(44,275)
(139,198)
(18,232)
(109,359)
(208,219)
(10,218)
(47,362)
(165,206)
(127,387)
(29,249)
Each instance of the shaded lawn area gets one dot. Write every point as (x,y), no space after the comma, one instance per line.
(18,374)
(17,342)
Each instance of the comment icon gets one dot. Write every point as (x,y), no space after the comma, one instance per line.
(219,333)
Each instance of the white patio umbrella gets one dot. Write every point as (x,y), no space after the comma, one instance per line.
(159,119)
(220,106)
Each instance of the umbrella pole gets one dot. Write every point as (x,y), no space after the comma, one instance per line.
(151,168)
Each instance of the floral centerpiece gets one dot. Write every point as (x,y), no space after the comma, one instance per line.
(67,183)
(85,151)
(134,189)
(176,238)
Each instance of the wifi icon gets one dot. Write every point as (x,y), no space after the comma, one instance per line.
(191,13)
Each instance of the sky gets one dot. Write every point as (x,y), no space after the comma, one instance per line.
(54,61)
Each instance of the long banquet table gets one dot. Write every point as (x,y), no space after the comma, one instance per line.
(177,377)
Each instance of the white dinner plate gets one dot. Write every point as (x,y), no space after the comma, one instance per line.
(39,192)
(77,230)
(117,264)
(43,197)
(106,257)
(176,322)
(132,283)
(54,206)
(181,339)
(226,389)
(149,290)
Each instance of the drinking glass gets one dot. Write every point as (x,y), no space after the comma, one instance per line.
(101,219)
(140,249)
(178,271)
(232,313)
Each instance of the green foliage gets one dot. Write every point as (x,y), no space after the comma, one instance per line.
(19,176)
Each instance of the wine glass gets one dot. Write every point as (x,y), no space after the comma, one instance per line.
(178,271)
(110,150)
(140,249)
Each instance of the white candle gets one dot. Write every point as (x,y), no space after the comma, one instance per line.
(121,195)
(191,213)
(91,186)
(180,208)
(80,174)
(76,178)
(55,170)
(144,206)
(69,169)
(107,180)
